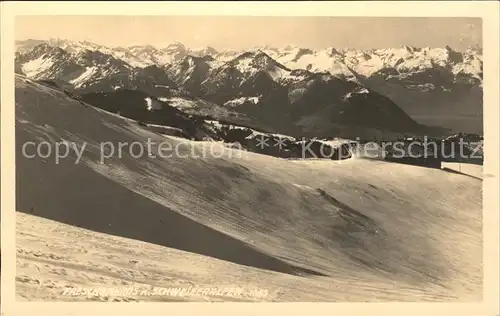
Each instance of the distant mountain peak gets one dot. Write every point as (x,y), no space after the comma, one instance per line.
(47,48)
(203,51)
(410,49)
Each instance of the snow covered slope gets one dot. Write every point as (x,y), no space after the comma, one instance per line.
(355,230)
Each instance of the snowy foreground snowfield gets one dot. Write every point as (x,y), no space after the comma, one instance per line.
(352,230)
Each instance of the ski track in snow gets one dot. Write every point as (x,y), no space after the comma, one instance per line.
(374,231)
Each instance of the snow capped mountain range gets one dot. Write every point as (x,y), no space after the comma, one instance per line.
(351,63)
(135,56)
(424,82)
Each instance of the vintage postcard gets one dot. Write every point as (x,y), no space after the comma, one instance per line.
(299,153)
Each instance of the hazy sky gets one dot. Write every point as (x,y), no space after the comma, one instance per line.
(245,31)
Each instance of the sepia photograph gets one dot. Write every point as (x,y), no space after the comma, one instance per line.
(248,158)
